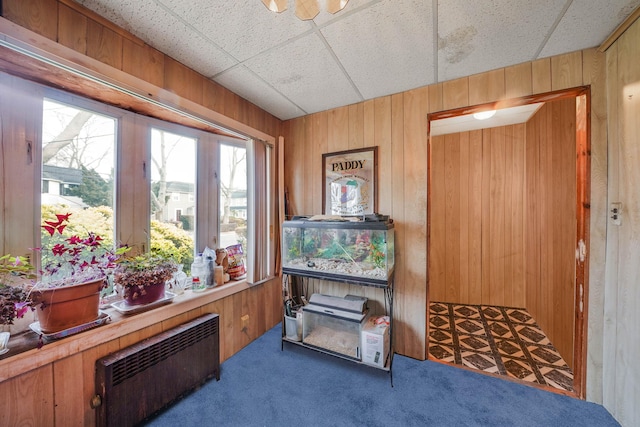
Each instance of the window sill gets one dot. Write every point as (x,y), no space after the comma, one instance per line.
(25,344)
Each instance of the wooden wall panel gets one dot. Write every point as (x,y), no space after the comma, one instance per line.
(465,227)
(184,81)
(551,189)
(477,221)
(474,205)
(69,391)
(369,117)
(541,75)
(593,75)
(398,206)
(452,242)
(566,71)
(517,81)
(486,87)
(494,199)
(413,289)
(517,261)
(435,98)
(28,399)
(72,29)
(143,61)
(295,154)
(356,124)
(455,93)
(319,140)
(33,14)
(105,45)
(438,225)
(381,125)
(622,293)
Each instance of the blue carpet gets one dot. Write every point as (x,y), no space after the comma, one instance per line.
(264,386)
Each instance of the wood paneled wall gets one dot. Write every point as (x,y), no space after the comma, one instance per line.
(621,314)
(477,219)
(397,124)
(503,219)
(551,222)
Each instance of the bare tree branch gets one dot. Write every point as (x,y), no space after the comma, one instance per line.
(67,135)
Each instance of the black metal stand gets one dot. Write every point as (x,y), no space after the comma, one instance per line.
(388,298)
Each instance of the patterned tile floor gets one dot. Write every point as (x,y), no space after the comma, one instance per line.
(498,340)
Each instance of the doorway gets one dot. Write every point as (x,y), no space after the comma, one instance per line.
(507,228)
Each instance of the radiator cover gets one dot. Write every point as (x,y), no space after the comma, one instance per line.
(138,381)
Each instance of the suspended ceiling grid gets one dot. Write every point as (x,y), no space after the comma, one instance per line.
(372,48)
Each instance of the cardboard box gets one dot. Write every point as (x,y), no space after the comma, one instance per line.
(374,341)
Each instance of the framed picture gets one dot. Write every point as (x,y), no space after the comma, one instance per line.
(350,182)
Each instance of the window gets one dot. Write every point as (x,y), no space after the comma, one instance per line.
(78,162)
(173,218)
(133,179)
(233,195)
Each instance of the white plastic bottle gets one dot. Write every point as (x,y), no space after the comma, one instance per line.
(199,274)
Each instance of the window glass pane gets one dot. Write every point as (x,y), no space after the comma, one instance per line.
(233,196)
(173,208)
(78,162)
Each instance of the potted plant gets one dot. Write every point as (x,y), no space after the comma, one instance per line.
(142,278)
(74,271)
(14,300)
(14,303)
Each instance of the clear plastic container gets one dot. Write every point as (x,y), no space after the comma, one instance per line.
(200,274)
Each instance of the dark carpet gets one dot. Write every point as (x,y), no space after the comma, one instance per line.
(264,386)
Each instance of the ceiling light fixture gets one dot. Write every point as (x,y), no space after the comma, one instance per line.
(306,9)
(484,115)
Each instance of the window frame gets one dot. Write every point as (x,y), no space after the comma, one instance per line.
(130,223)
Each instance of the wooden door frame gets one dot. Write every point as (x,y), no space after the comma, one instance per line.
(583,187)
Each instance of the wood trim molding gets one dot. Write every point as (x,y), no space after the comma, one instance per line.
(620,30)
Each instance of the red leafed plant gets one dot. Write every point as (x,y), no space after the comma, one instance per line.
(74,259)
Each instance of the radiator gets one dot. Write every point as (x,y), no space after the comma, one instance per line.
(138,381)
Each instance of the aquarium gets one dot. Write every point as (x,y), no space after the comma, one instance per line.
(334,324)
(356,250)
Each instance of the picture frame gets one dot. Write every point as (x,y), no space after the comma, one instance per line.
(350,182)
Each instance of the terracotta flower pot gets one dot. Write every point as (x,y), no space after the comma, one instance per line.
(68,306)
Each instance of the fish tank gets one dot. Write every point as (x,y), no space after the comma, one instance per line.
(351,249)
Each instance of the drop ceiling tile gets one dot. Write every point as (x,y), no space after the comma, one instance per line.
(249,86)
(241,30)
(587,23)
(491,34)
(386,48)
(352,7)
(305,72)
(159,28)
